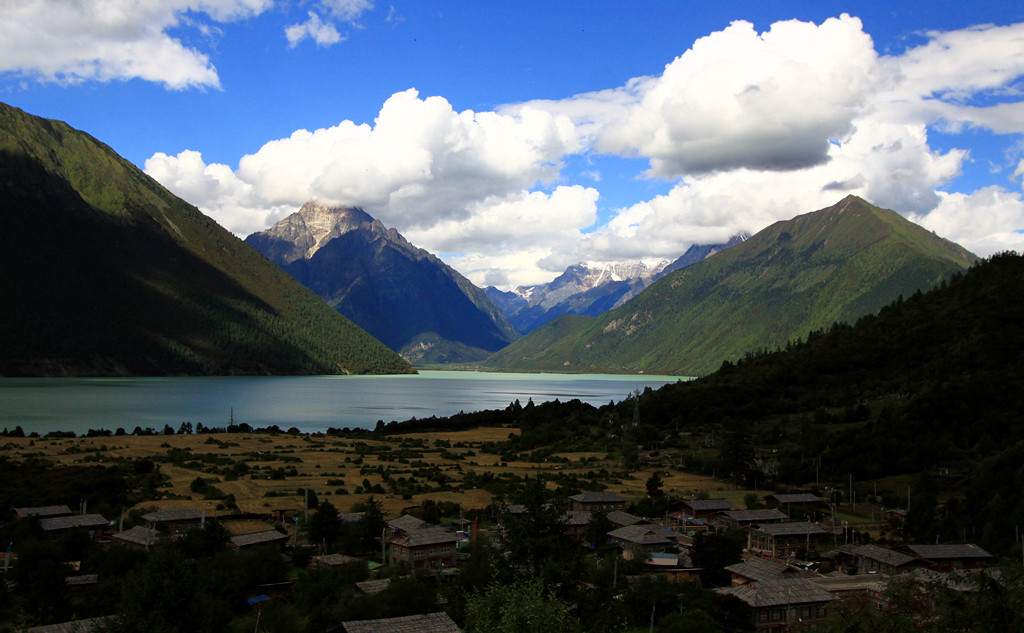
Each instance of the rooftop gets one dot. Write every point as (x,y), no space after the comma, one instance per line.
(760,569)
(174,514)
(257,538)
(423,537)
(790,529)
(138,535)
(802,497)
(42,511)
(709,505)
(406,523)
(598,497)
(74,521)
(949,551)
(618,517)
(643,534)
(424,623)
(755,516)
(779,592)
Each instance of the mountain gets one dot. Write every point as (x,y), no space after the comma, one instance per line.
(105,272)
(698,253)
(587,289)
(404,296)
(831,265)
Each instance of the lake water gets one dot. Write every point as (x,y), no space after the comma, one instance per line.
(311,403)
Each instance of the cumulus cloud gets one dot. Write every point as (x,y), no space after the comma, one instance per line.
(419,165)
(739,99)
(104,40)
(322,22)
(324,34)
(750,127)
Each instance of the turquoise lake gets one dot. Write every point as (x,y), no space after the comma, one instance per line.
(310,403)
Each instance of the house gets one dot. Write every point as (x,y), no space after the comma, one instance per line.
(423,623)
(137,537)
(91,522)
(783,540)
(795,504)
(253,539)
(702,508)
(622,519)
(179,520)
(406,523)
(42,512)
(782,604)
(756,569)
(637,538)
(335,560)
(674,567)
(745,518)
(597,502)
(576,523)
(951,556)
(872,559)
(425,547)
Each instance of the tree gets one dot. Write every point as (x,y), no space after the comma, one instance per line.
(598,528)
(521,607)
(737,454)
(324,525)
(654,484)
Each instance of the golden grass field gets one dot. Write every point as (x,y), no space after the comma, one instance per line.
(318,459)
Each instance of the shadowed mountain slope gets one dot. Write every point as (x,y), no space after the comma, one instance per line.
(105,272)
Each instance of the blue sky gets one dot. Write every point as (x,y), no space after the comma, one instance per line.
(515,138)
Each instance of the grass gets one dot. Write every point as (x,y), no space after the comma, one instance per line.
(320,463)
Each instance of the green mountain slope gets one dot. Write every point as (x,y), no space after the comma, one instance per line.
(803,274)
(107,273)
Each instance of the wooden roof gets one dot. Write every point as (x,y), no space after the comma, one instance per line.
(708,505)
(952,551)
(42,511)
(424,623)
(802,497)
(620,518)
(138,535)
(796,528)
(373,586)
(598,497)
(406,523)
(642,534)
(257,538)
(423,537)
(53,524)
(170,515)
(760,569)
(75,626)
(755,516)
(779,592)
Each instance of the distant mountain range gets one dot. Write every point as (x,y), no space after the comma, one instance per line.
(835,264)
(404,296)
(591,289)
(105,272)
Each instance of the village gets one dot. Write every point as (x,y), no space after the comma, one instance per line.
(787,559)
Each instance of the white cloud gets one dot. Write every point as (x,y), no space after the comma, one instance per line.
(104,40)
(322,33)
(322,22)
(752,128)
(986,221)
(739,99)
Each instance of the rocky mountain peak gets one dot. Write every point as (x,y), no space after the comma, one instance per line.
(316,224)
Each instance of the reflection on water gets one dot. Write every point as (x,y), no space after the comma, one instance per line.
(311,403)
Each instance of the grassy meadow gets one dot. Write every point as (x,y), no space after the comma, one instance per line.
(265,472)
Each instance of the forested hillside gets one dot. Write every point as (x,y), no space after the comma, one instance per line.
(105,272)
